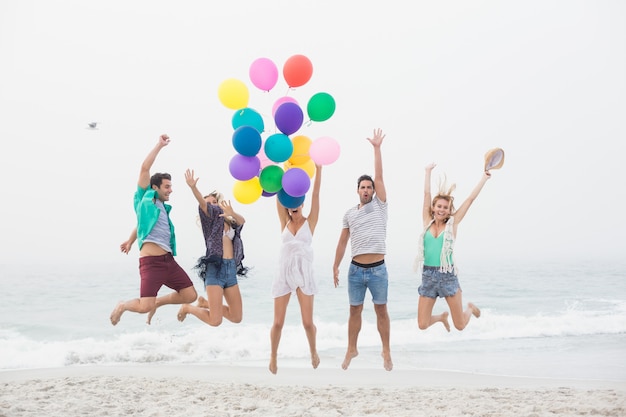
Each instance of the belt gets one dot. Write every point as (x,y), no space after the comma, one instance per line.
(372,265)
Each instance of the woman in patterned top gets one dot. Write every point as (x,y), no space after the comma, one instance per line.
(221,227)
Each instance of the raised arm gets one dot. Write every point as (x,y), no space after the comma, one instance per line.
(192,183)
(462,210)
(379,183)
(315,199)
(283,214)
(426,217)
(144,173)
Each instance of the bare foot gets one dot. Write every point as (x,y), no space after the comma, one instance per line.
(475,310)
(387,361)
(202,302)
(444,320)
(273,365)
(349,356)
(182,313)
(315,360)
(150,314)
(117,312)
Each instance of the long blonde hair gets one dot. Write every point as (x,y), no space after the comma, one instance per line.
(445,193)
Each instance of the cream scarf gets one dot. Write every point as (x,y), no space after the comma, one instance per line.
(446,250)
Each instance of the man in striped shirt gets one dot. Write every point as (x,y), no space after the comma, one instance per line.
(365,225)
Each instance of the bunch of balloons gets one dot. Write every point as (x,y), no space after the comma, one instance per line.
(283,162)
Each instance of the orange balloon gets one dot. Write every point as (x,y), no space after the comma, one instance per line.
(301,145)
(297,70)
(308,167)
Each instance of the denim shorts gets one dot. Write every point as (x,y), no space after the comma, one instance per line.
(438,284)
(362,278)
(223,274)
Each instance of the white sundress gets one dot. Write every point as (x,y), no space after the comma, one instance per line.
(295,267)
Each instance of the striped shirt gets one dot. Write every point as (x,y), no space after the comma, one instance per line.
(368,227)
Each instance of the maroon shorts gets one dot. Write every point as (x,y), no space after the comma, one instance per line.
(156,271)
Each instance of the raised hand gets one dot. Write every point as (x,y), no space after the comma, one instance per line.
(189,178)
(377,140)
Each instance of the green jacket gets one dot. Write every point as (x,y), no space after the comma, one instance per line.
(148,214)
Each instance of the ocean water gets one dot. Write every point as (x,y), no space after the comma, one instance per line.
(559,320)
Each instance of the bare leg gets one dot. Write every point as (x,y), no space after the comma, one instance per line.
(306,311)
(211,315)
(280,311)
(186,295)
(354,327)
(461,317)
(233,309)
(138,305)
(425,319)
(384,328)
(475,310)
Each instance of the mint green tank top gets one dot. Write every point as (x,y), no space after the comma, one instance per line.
(432,249)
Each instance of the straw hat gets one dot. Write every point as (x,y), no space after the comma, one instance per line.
(494,159)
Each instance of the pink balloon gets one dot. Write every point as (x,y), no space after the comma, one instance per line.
(285,99)
(263,74)
(324,150)
(265,161)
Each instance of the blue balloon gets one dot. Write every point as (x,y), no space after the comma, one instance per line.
(278,147)
(247,140)
(248,117)
(289,201)
(288,118)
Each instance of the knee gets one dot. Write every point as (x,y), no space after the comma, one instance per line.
(422,324)
(458,324)
(355,311)
(215,322)
(237,319)
(308,325)
(381,311)
(189,296)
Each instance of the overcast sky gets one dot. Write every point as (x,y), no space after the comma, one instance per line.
(445,80)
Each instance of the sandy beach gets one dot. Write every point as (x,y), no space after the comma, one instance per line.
(206,390)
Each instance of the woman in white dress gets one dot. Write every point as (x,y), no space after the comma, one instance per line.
(295,273)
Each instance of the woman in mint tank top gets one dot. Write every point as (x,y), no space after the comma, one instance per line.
(435,255)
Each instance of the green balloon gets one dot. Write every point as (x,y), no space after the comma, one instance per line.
(271,178)
(321,107)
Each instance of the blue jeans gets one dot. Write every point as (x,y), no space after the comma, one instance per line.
(360,279)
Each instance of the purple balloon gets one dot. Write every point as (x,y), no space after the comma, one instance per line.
(288,118)
(243,167)
(296,182)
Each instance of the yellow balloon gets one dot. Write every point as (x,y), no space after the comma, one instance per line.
(308,167)
(249,191)
(301,145)
(233,94)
